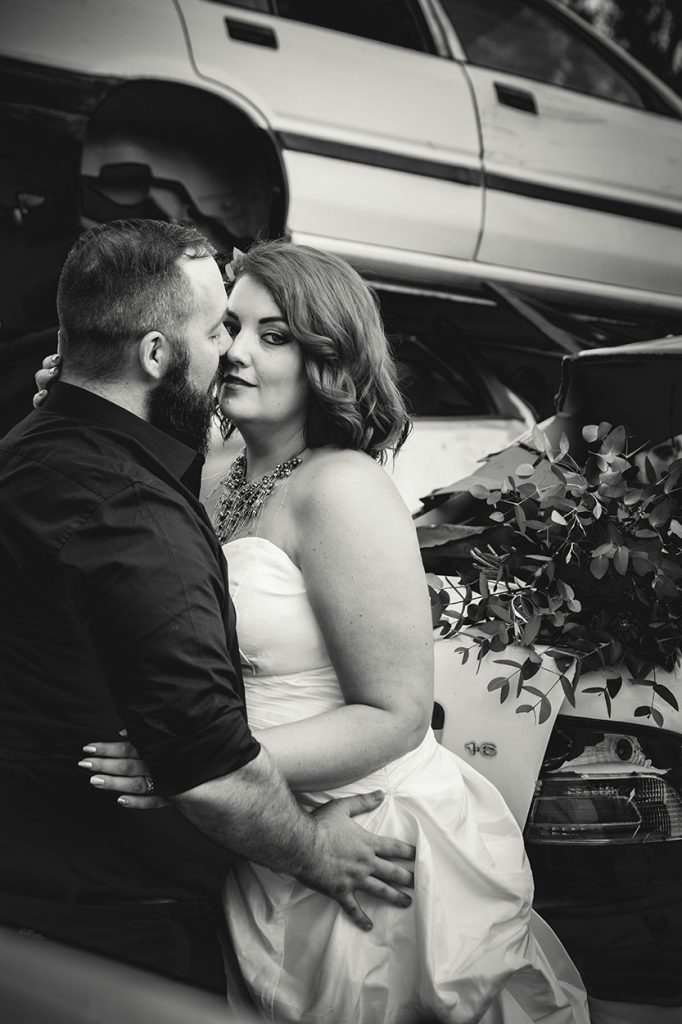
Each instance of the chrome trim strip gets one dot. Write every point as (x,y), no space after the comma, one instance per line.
(380,158)
(585,200)
(461,175)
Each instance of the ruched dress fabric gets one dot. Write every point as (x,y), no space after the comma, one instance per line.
(465,950)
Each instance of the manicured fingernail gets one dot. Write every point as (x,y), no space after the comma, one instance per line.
(90,749)
(56,360)
(406,901)
(53,371)
(97,780)
(85,764)
(123,800)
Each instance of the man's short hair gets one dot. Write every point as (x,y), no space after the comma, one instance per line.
(119,281)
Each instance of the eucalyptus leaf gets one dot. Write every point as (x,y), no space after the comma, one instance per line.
(599,566)
(665,694)
(479,491)
(621,560)
(540,440)
(545,711)
(534,690)
(613,685)
(568,689)
(661,513)
(532,629)
(563,446)
(651,474)
(496,683)
(657,717)
(615,441)
(530,668)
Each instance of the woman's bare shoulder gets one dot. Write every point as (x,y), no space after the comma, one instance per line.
(337,487)
(330,473)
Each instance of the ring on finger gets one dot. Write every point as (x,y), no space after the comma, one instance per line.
(151,788)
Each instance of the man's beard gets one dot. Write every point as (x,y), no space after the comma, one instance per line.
(177,407)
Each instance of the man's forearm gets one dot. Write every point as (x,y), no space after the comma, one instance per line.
(252,813)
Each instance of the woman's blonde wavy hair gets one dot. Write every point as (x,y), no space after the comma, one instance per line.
(334,317)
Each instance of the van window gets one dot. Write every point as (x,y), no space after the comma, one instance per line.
(523,39)
(398,22)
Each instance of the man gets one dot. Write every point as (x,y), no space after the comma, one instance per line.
(118,616)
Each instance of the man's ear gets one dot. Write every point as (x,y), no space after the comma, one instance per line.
(154,353)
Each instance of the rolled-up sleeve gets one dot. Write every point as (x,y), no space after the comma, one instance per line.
(150,591)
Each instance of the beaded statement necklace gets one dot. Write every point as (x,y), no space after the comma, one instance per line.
(240,504)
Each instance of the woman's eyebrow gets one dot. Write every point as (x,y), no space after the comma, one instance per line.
(230,315)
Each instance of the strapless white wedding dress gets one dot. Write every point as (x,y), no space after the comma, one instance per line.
(465,951)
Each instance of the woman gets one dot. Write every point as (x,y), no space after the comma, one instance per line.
(336,643)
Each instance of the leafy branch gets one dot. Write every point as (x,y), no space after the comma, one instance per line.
(585,559)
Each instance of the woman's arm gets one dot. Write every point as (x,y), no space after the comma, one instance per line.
(357,549)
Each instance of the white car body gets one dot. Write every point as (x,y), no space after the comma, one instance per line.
(412,164)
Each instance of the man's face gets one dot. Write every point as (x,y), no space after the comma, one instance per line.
(182,404)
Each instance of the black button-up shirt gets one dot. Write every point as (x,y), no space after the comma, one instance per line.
(115,614)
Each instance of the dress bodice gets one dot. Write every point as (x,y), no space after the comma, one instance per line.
(288,675)
(287,670)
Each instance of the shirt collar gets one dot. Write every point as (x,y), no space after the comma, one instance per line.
(183,462)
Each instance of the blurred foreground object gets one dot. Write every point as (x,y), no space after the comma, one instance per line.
(46,983)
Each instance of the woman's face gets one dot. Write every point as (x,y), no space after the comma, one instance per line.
(265,383)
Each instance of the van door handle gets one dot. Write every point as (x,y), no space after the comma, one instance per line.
(247,32)
(520,99)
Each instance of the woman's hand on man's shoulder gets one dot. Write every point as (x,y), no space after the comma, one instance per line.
(46,375)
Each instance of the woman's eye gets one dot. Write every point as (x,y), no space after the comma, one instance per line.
(230,328)
(275,338)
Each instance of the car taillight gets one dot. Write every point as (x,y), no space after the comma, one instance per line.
(601,786)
